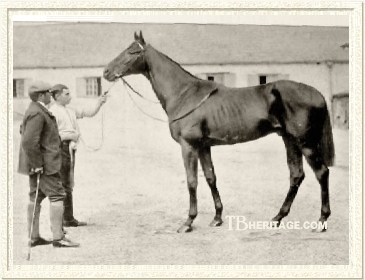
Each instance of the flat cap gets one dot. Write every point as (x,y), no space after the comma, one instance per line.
(36,87)
(39,86)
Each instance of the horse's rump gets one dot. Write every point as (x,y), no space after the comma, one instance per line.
(303,114)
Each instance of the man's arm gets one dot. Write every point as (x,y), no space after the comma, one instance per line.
(90,112)
(31,138)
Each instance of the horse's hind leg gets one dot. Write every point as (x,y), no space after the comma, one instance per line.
(190,157)
(208,169)
(295,164)
(321,171)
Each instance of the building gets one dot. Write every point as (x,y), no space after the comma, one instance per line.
(75,54)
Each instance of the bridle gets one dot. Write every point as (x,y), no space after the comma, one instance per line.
(131,62)
(126,84)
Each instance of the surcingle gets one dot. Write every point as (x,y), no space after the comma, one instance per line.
(191,96)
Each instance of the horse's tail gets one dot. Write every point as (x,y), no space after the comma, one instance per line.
(326,145)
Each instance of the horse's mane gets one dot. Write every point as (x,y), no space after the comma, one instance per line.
(177,64)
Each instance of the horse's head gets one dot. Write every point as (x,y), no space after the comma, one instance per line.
(130,61)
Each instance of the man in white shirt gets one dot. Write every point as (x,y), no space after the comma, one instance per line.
(66,117)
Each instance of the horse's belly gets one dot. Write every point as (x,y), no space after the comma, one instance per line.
(233,136)
(240,129)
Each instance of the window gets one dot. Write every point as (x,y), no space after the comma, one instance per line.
(93,87)
(227,79)
(261,79)
(18,88)
(88,87)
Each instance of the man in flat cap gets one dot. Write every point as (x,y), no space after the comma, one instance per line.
(41,146)
(66,117)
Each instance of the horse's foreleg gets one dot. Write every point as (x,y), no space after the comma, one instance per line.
(321,171)
(208,169)
(295,164)
(190,157)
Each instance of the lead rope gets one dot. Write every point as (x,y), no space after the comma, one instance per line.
(136,92)
(92,149)
(125,83)
(152,117)
(102,128)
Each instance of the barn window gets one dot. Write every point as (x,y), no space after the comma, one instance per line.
(93,87)
(227,79)
(18,88)
(262,80)
(88,87)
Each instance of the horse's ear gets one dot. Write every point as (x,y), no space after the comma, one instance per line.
(136,36)
(141,38)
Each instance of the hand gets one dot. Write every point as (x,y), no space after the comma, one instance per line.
(37,170)
(73,145)
(75,137)
(102,99)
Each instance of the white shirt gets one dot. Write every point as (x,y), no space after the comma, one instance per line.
(66,117)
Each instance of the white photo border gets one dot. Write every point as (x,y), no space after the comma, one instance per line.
(61,8)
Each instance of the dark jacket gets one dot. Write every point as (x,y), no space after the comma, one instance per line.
(41,143)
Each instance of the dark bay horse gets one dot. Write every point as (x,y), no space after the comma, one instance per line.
(203,114)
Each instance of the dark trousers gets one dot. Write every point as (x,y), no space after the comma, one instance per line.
(49,186)
(67,171)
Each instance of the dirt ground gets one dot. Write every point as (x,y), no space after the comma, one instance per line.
(134,196)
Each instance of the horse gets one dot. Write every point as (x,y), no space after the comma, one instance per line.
(203,113)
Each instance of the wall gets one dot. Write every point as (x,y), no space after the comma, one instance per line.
(316,75)
(340,74)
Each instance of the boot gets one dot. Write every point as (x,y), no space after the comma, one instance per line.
(68,216)
(56,216)
(36,239)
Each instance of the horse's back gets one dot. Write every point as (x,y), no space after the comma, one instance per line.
(236,115)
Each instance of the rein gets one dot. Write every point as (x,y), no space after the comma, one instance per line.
(152,117)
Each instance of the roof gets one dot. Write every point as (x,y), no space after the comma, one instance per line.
(95,44)
(340,94)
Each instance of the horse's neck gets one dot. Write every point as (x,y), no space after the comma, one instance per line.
(166,76)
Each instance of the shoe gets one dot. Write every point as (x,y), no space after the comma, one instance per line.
(74,223)
(39,241)
(64,242)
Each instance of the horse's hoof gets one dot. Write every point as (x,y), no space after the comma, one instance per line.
(216,223)
(320,228)
(184,229)
(275,222)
